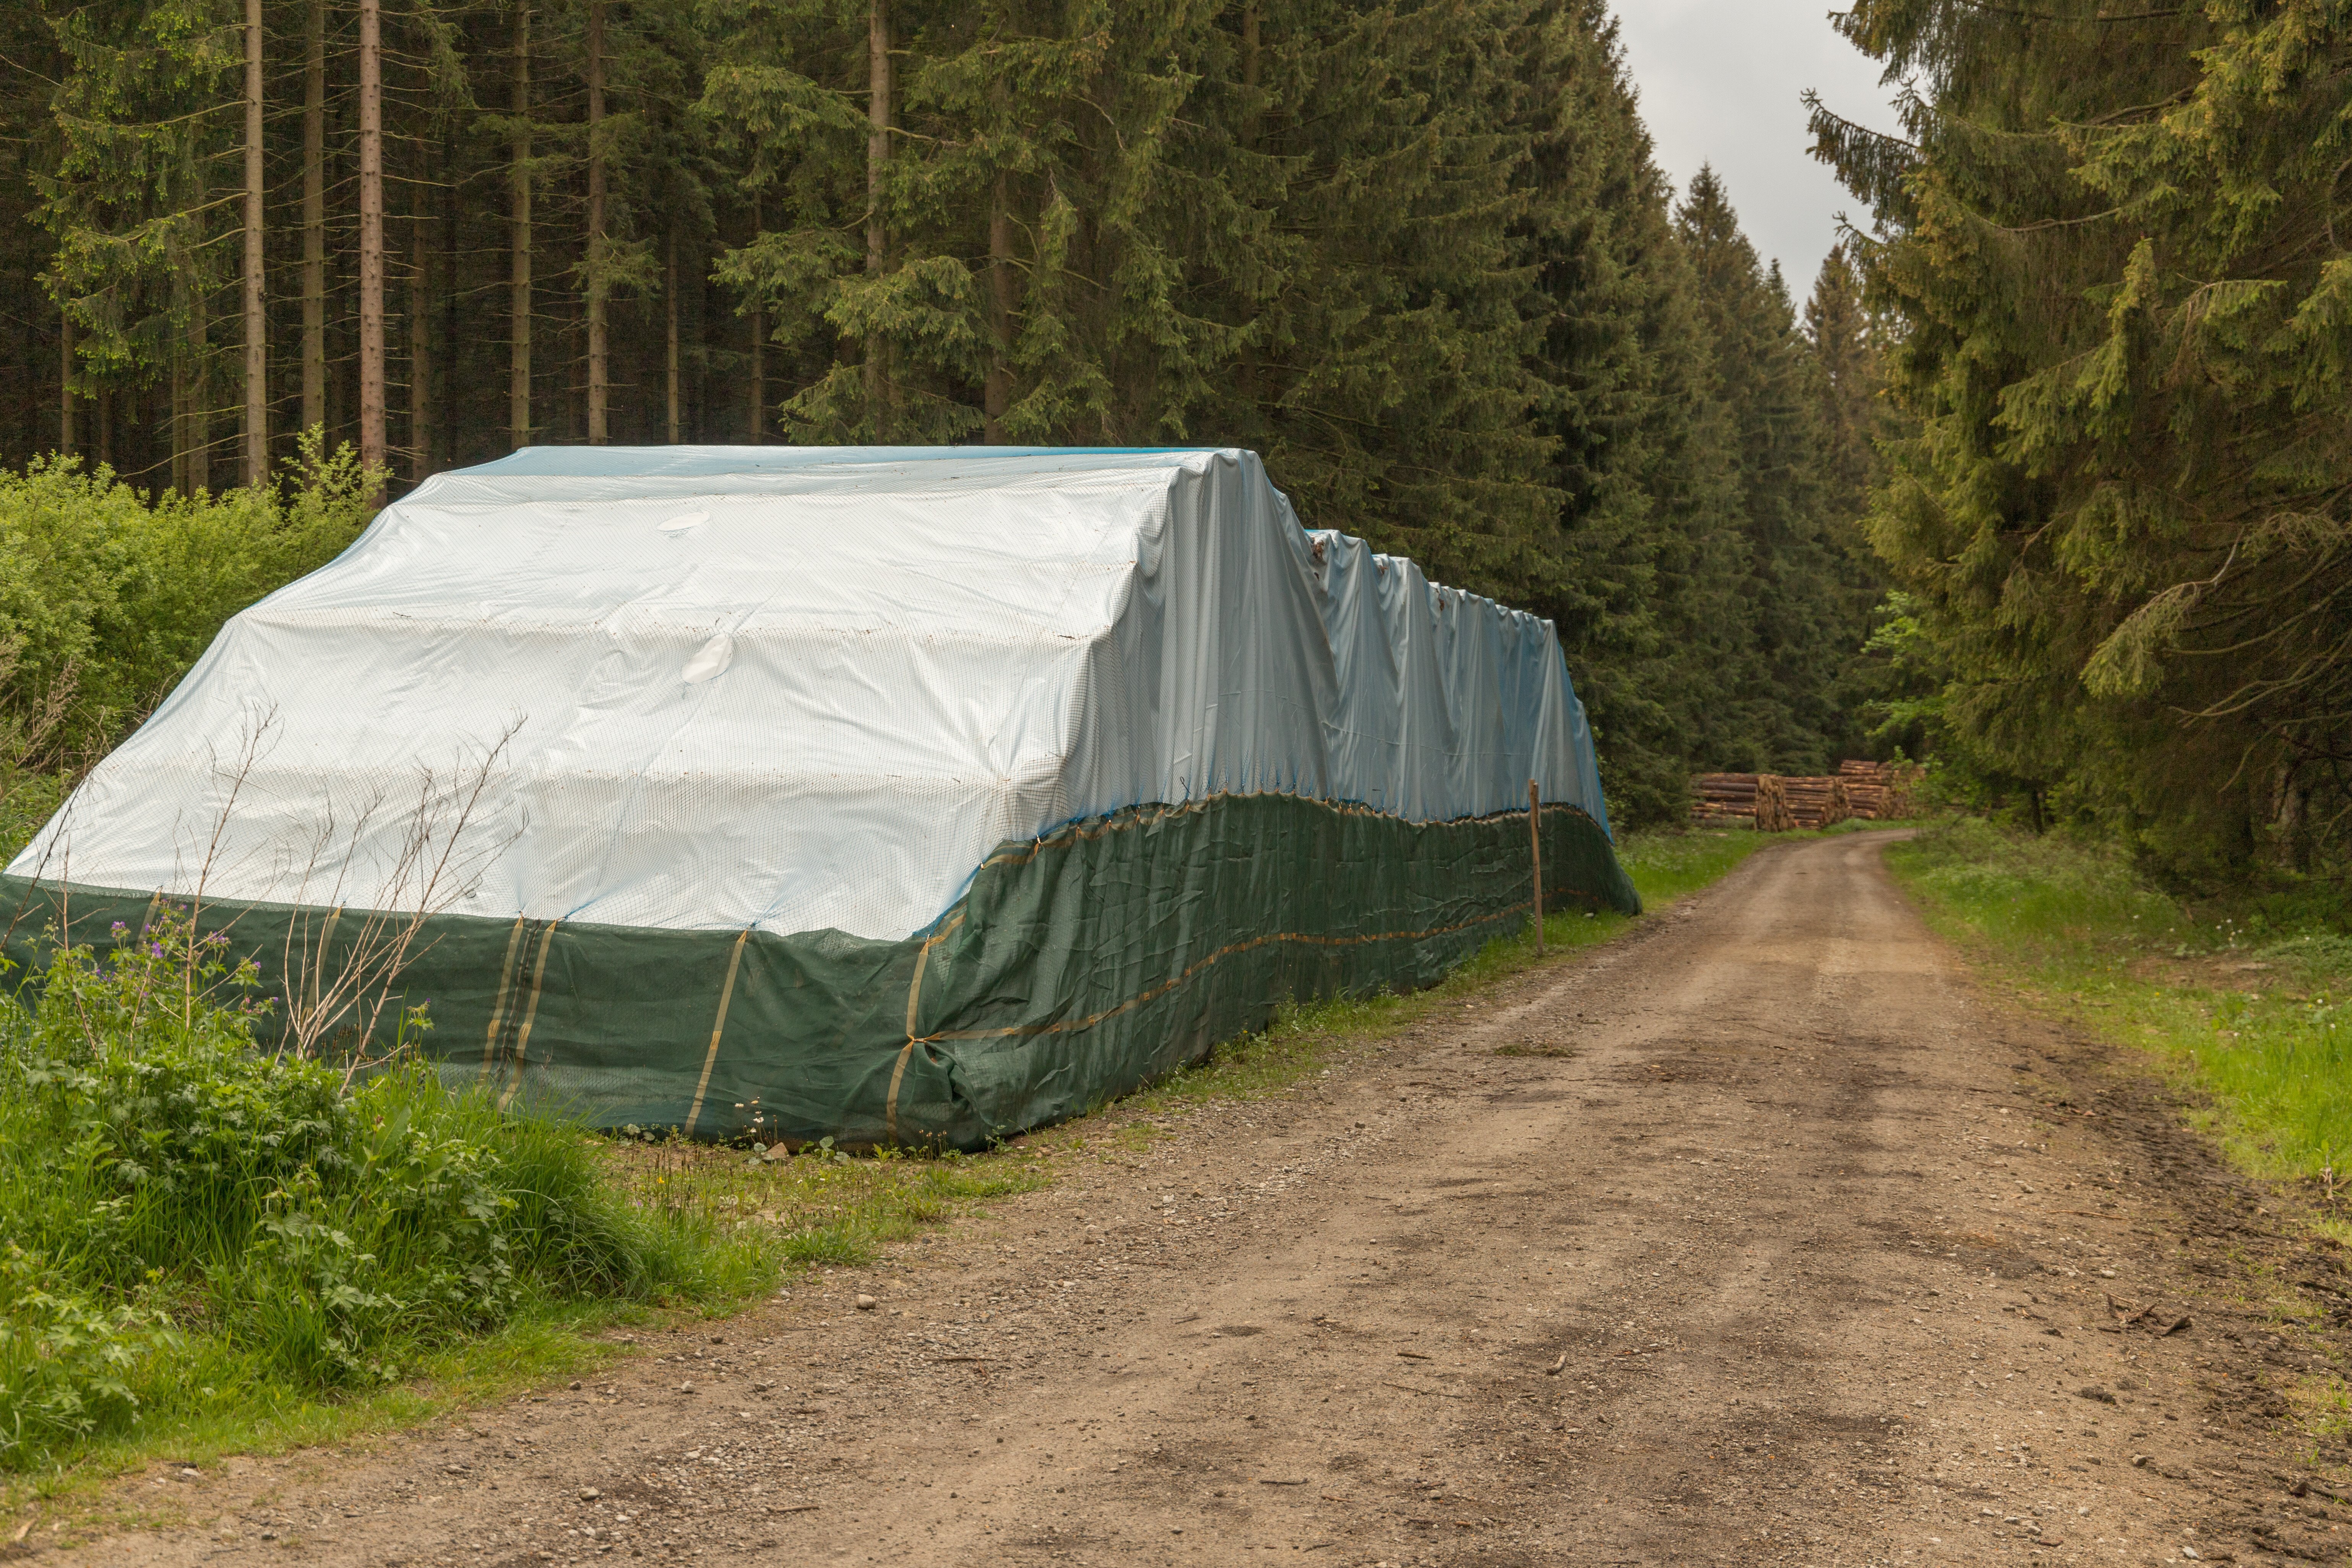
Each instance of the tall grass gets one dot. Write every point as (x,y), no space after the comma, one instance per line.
(2252,1016)
(189,1225)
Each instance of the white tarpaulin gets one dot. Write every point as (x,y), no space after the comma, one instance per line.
(798,689)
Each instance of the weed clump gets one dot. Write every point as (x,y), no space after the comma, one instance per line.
(187,1219)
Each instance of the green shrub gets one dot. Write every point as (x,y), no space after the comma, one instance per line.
(66,1359)
(182,1213)
(107,595)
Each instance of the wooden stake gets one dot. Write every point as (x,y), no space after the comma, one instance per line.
(1535,853)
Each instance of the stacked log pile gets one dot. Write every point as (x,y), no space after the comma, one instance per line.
(1723,800)
(1770,803)
(1816,803)
(1880,791)
(1741,800)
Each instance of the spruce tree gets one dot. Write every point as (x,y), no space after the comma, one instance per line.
(1801,613)
(2111,244)
(1640,574)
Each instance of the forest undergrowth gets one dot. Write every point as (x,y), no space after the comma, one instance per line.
(2240,999)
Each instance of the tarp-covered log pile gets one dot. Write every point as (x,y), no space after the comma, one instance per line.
(909,795)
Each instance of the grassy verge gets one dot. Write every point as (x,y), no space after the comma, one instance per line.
(210,1333)
(2251,1014)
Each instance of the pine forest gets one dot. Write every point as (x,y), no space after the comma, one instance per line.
(1419,255)
(2118,324)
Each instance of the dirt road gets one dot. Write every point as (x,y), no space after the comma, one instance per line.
(1757,1236)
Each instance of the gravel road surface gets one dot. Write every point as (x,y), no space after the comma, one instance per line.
(1760,1236)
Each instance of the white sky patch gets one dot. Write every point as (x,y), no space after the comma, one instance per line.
(1719,82)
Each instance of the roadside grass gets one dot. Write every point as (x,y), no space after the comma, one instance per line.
(2219,995)
(721,1225)
(818,1206)
(748,1223)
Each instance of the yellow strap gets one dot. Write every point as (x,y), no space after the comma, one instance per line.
(914,1000)
(530,1014)
(498,1011)
(717,1027)
(319,963)
(897,1076)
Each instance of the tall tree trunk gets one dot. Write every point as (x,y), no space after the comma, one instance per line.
(451,320)
(179,416)
(756,391)
(103,437)
(373,447)
(314,219)
(195,429)
(64,383)
(1250,65)
(519,224)
(1250,76)
(599,382)
(997,397)
(669,291)
(256,314)
(420,335)
(877,159)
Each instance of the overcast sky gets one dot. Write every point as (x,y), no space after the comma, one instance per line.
(1719,82)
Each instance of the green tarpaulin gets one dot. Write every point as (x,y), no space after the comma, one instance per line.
(1076,967)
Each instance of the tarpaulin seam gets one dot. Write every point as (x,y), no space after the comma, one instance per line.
(717,1027)
(498,1010)
(530,1014)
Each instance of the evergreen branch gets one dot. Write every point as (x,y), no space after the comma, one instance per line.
(1986,8)
(27,71)
(2132,114)
(2038,224)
